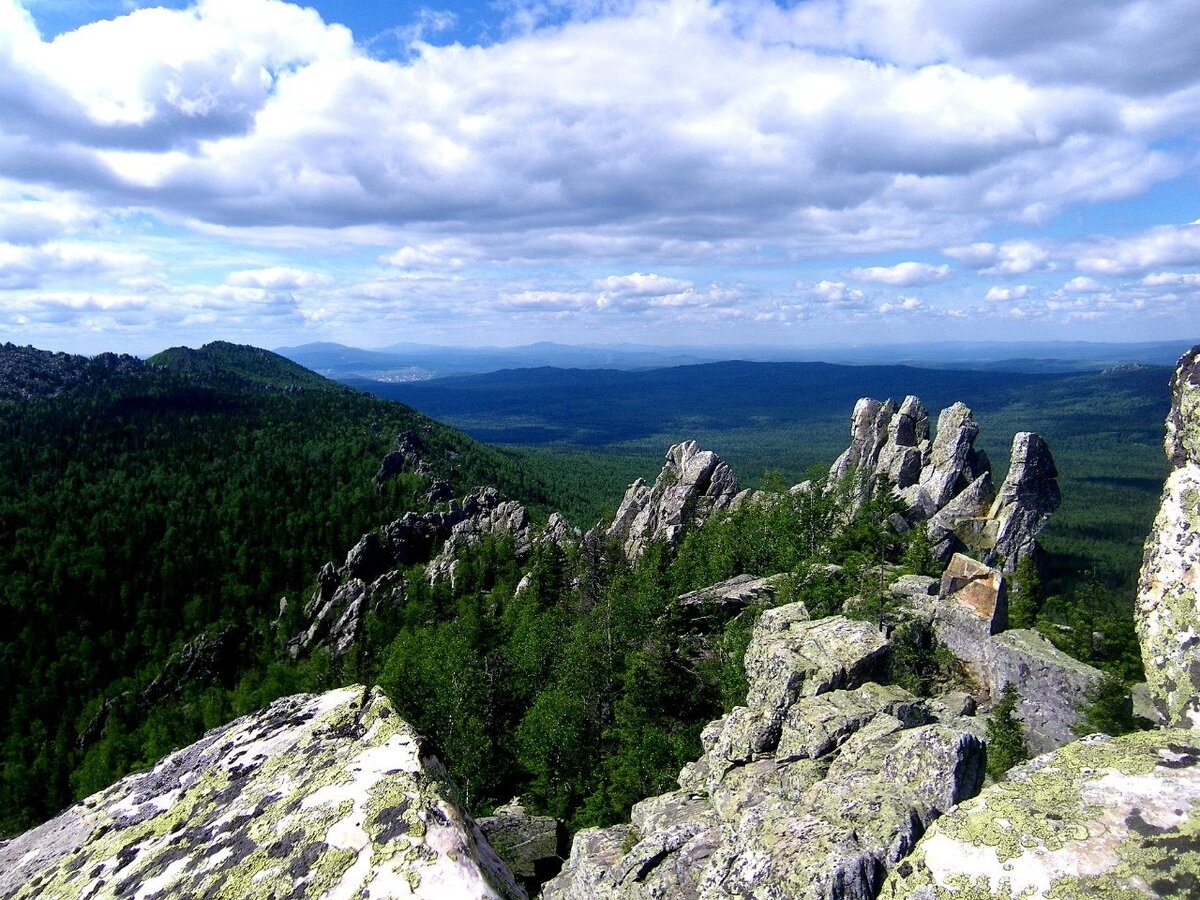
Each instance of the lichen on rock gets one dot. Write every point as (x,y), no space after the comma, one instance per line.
(315,796)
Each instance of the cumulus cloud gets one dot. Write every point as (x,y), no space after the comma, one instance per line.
(1009,258)
(1006,294)
(902,305)
(1081,284)
(278,278)
(1163,246)
(905,274)
(23,266)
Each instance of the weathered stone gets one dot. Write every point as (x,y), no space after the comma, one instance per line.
(533,847)
(315,796)
(594,853)
(1168,612)
(972,606)
(1050,685)
(1023,505)
(953,461)
(732,595)
(1102,817)
(963,521)
(692,484)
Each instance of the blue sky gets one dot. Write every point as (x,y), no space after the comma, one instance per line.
(664,171)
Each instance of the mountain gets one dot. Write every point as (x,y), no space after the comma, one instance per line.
(417,362)
(154,515)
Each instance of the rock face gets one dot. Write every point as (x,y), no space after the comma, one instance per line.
(947,483)
(315,796)
(815,789)
(732,595)
(1168,614)
(532,846)
(369,575)
(1102,817)
(692,483)
(970,620)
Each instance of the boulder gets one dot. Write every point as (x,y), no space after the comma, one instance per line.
(1050,685)
(1101,817)
(692,484)
(815,789)
(533,847)
(732,595)
(1168,603)
(953,461)
(972,606)
(315,796)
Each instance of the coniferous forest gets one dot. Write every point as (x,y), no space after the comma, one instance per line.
(167,519)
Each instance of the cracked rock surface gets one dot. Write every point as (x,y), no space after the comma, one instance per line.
(329,795)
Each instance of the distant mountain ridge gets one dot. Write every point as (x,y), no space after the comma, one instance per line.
(407,362)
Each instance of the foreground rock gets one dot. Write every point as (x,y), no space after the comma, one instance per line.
(1102,817)
(947,484)
(815,789)
(534,847)
(315,796)
(1168,614)
(692,484)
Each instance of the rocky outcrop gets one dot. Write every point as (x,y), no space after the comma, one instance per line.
(946,483)
(731,596)
(315,796)
(971,620)
(1102,817)
(533,847)
(407,455)
(814,789)
(1168,606)
(1023,505)
(692,484)
(370,575)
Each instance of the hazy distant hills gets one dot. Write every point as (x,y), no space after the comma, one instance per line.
(418,362)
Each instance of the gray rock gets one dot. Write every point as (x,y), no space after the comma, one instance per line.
(692,484)
(953,462)
(315,796)
(1050,685)
(732,595)
(1168,602)
(533,847)
(1023,505)
(1102,817)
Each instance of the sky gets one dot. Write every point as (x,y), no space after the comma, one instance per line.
(704,172)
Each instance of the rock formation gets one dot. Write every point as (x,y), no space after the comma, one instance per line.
(815,789)
(370,573)
(947,483)
(1102,817)
(315,796)
(692,483)
(1168,613)
(533,847)
(970,620)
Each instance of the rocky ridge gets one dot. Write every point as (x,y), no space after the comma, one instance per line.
(946,483)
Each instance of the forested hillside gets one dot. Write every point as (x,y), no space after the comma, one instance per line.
(146,504)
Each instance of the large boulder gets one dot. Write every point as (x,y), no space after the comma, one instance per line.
(532,846)
(315,796)
(692,484)
(1168,613)
(1101,817)
(815,789)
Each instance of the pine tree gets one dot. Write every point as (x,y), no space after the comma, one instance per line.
(1005,735)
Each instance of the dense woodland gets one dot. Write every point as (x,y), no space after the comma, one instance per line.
(159,507)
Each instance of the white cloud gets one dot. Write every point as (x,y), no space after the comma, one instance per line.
(278,279)
(1007,259)
(1081,284)
(1006,294)
(1171,279)
(23,266)
(905,274)
(1163,246)
(903,305)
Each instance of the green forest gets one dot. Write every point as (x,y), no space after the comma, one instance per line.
(159,512)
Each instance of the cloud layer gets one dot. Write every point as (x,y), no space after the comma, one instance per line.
(620,152)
